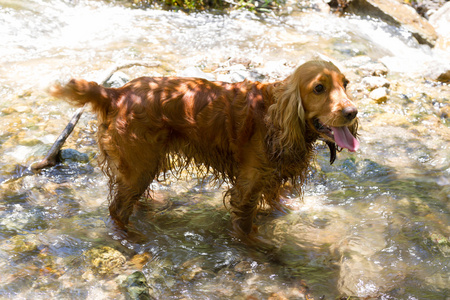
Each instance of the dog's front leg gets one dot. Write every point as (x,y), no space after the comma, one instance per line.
(243,211)
(245,198)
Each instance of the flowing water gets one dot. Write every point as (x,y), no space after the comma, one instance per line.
(375,224)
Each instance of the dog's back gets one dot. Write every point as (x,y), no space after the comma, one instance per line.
(215,114)
(208,122)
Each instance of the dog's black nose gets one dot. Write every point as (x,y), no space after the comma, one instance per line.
(350,112)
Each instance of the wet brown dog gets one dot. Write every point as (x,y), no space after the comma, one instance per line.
(254,135)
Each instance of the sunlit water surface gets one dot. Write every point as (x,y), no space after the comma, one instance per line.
(374,224)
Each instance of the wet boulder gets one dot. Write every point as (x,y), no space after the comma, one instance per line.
(117,80)
(441,22)
(444,77)
(398,14)
(379,95)
(439,73)
(72,155)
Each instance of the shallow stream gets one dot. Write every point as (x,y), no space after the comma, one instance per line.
(375,224)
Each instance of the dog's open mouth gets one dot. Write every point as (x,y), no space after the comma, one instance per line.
(340,136)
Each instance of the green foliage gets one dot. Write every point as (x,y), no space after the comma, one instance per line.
(252,5)
(259,5)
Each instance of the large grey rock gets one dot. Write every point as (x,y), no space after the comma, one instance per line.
(398,14)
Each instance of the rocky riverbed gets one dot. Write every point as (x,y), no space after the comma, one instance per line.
(375,224)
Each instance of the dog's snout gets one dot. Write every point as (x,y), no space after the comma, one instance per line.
(350,112)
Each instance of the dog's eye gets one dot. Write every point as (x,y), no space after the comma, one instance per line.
(318,89)
(346,82)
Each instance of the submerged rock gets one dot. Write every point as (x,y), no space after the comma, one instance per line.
(360,276)
(192,268)
(136,287)
(105,260)
(442,243)
(139,260)
(72,155)
(20,244)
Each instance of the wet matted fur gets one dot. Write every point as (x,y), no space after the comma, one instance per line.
(256,136)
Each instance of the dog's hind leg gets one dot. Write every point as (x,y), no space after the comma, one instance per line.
(129,189)
(124,199)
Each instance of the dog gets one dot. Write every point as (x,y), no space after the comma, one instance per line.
(255,136)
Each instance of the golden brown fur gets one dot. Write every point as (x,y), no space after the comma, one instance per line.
(254,135)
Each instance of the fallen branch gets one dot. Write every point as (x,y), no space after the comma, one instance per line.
(110,72)
(51,158)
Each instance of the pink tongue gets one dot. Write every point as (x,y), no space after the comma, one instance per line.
(345,139)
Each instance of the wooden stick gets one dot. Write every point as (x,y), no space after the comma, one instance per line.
(110,72)
(51,158)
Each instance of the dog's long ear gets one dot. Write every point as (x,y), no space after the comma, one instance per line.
(287,116)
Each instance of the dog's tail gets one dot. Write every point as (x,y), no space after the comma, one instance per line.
(79,92)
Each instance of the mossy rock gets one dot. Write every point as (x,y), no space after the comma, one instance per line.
(105,260)
(72,155)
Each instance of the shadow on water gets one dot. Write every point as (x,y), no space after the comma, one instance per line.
(192,246)
(375,224)
(318,246)
(362,225)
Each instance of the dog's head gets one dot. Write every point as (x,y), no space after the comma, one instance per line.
(313,103)
(326,105)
